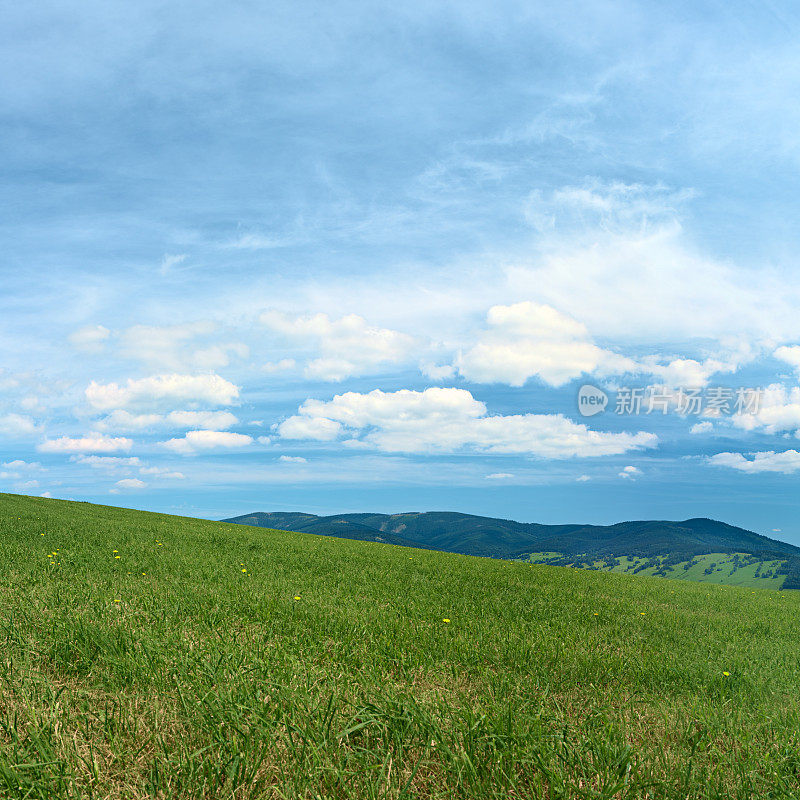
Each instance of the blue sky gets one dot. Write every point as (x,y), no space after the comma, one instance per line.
(358,256)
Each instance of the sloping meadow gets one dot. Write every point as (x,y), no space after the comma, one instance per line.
(153,656)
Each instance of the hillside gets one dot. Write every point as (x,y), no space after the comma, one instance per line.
(666,547)
(154,656)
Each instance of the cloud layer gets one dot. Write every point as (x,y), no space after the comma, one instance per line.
(447,420)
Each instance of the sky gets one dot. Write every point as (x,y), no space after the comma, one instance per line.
(364,256)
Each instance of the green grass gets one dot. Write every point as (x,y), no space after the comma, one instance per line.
(169,672)
(757,575)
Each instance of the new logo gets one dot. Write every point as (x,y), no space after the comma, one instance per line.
(591,400)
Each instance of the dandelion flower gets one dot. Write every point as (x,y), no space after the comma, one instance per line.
(445,619)
(244,570)
(726,674)
(297,597)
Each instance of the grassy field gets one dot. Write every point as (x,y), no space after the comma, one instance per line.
(708,568)
(154,656)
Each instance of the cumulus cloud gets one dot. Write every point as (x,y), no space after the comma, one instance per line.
(158,390)
(121,420)
(305,426)
(293,459)
(162,472)
(130,483)
(778,411)
(437,372)
(790,354)
(110,463)
(347,347)
(92,443)
(14,470)
(284,365)
(693,373)
(785,462)
(119,464)
(197,441)
(647,283)
(190,345)
(527,340)
(17,425)
(701,427)
(630,472)
(90,338)
(448,420)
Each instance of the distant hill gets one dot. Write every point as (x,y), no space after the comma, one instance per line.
(656,546)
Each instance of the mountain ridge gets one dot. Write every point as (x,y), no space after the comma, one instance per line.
(698,548)
(472,534)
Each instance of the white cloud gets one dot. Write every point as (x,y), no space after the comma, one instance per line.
(162,472)
(293,459)
(90,338)
(284,365)
(307,427)
(25,466)
(583,478)
(255,241)
(691,373)
(17,425)
(177,347)
(437,372)
(790,354)
(155,391)
(92,443)
(348,346)
(786,462)
(121,420)
(647,283)
(701,427)
(110,463)
(117,464)
(499,476)
(447,420)
(610,206)
(130,483)
(170,261)
(31,403)
(528,340)
(778,411)
(196,441)
(630,472)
